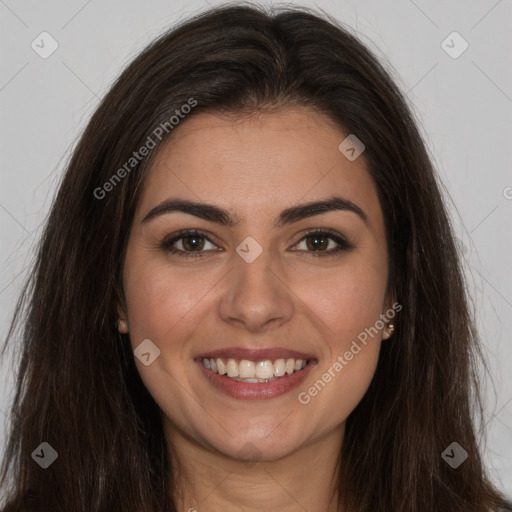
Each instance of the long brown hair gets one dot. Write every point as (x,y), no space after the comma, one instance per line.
(78,388)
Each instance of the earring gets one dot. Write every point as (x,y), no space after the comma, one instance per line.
(391,329)
(122,326)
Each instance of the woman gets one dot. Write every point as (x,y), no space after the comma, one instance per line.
(247,295)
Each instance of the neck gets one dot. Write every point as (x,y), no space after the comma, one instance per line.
(206,480)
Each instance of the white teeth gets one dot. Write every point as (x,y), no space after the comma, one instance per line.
(264,370)
(247,369)
(221,367)
(254,381)
(279,367)
(254,371)
(232,368)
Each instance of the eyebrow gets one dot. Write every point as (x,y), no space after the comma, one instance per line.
(218,215)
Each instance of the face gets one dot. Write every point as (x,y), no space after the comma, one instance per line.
(260,284)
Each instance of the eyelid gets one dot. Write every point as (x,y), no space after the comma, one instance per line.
(338,238)
(168,242)
(341,240)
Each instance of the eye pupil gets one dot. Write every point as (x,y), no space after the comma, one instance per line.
(193,242)
(318,242)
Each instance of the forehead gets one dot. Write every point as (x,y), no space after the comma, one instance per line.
(266,160)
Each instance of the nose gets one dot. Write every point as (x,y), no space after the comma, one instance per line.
(256,296)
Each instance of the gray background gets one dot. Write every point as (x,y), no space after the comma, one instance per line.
(463,105)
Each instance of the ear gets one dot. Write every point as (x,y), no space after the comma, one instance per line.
(389,316)
(388,330)
(122,320)
(122,323)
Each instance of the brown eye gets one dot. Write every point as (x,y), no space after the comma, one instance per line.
(188,244)
(192,242)
(317,243)
(321,243)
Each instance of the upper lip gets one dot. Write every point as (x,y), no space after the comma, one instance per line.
(255,354)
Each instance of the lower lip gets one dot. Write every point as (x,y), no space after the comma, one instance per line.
(256,391)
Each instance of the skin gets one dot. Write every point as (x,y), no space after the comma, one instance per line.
(256,167)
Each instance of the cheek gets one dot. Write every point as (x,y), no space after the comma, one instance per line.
(351,308)
(158,297)
(346,300)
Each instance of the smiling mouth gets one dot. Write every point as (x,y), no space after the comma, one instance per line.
(253,372)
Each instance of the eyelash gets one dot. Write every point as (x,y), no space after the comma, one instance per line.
(343,245)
